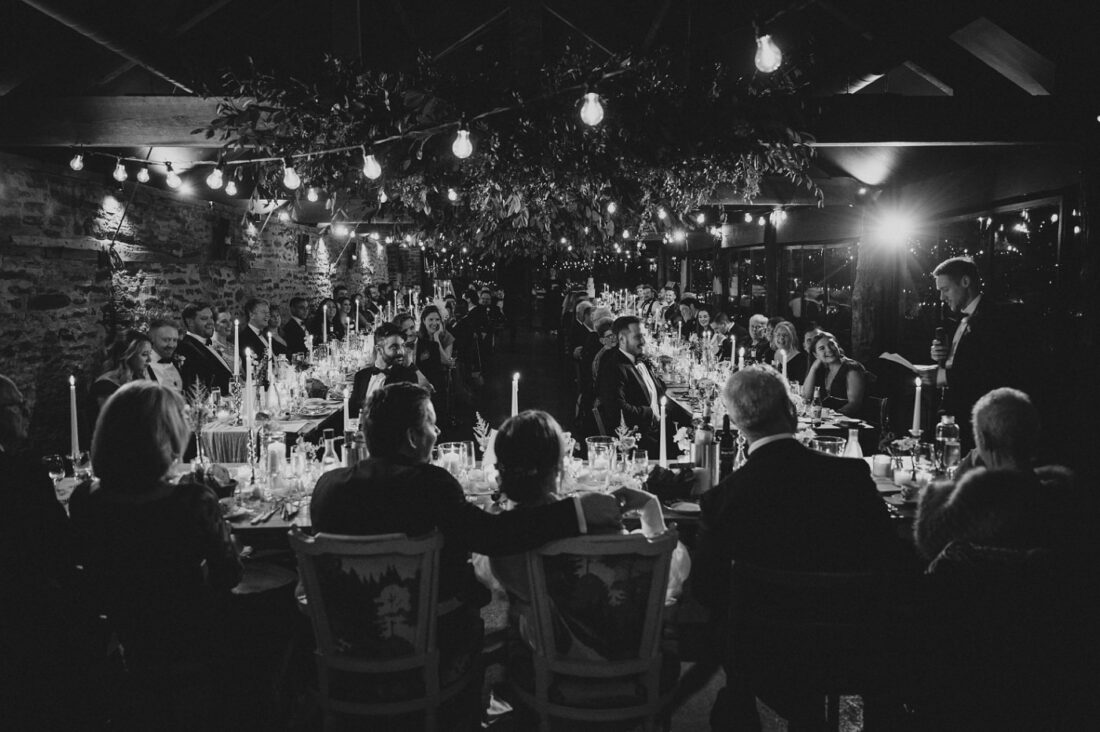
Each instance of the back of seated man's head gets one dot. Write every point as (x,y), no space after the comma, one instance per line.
(603,327)
(758,403)
(397,420)
(1006,428)
(582,310)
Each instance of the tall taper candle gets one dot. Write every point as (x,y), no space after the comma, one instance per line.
(663,460)
(270,364)
(783,360)
(347,411)
(741,357)
(236,348)
(916,409)
(515,394)
(248,393)
(324,323)
(356,327)
(74,431)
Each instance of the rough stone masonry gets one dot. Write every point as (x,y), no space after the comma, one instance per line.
(64,288)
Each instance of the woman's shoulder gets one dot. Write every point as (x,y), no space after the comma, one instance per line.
(853,365)
(107,383)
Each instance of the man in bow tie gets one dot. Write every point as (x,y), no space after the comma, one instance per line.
(295,329)
(202,360)
(628,390)
(389,367)
(252,335)
(976,359)
(162,369)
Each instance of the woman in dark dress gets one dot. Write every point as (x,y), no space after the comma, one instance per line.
(159,554)
(435,360)
(127,359)
(843,381)
(785,345)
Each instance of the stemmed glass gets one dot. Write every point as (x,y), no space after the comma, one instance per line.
(82,466)
(55,467)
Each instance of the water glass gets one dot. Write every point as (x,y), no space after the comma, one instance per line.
(452,457)
(640,461)
(470,455)
(828,445)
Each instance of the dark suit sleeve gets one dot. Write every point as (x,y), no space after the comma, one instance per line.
(359,391)
(612,395)
(710,573)
(868,515)
(500,534)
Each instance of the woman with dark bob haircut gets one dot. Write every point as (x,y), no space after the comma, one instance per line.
(842,380)
(159,553)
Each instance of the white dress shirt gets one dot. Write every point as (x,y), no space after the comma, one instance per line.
(166,374)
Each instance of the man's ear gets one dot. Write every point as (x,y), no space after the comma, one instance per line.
(964,282)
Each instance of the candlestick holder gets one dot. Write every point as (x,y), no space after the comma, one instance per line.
(915,434)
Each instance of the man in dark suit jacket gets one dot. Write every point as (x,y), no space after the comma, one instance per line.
(787,508)
(201,361)
(396,490)
(628,390)
(257,312)
(389,367)
(977,358)
(295,329)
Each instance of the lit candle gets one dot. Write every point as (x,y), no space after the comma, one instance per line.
(236,348)
(663,461)
(515,394)
(324,323)
(270,363)
(356,328)
(248,395)
(741,357)
(347,410)
(783,360)
(74,433)
(916,409)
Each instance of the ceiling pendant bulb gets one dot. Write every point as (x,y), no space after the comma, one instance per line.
(371,168)
(382,197)
(231,188)
(120,173)
(462,147)
(591,110)
(172,179)
(768,55)
(312,195)
(143,174)
(215,180)
(290,178)
(452,194)
(77,163)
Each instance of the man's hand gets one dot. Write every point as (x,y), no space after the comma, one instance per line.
(940,351)
(577,352)
(601,510)
(632,499)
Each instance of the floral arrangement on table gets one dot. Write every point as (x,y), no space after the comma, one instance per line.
(684,438)
(197,411)
(626,438)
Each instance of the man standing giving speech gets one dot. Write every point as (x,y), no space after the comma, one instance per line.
(976,359)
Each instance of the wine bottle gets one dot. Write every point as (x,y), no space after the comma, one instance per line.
(815,407)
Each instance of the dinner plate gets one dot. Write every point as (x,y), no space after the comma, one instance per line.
(685,507)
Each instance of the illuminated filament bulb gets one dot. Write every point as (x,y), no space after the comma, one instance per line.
(612,207)
(120,173)
(462,147)
(382,197)
(216,179)
(77,163)
(143,174)
(591,110)
(231,187)
(311,195)
(768,55)
(172,179)
(371,167)
(290,177)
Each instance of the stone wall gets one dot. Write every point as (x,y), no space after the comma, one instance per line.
(64,289)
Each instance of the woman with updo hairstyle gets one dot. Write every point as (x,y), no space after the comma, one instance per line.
(843,380)
(127,360)
(158,553)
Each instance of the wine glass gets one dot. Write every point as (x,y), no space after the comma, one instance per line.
(82,466)
(55,467)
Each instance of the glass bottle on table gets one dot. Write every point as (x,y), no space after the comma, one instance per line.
(704,437)
(852,448)
(330,460)
(815,407)
(948,446)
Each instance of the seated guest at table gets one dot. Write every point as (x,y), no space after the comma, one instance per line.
(344,316)
(1003,499)
(396,490)
(275,330)
(164,366)
(323,321)
(586,374)
(406,323)
(158,554)
(647,302)
(843,381)
(253,336)
(580,329)
(788,508)
(628,390)
(734,337)
(128,359)
(785,345)
(703,319)
(605,332)
(808,340)
(389,367)
(434,349)
(202,362)
(689,308)
(223,333)
(758,331)
(671,313)
(295,329)
(529,450)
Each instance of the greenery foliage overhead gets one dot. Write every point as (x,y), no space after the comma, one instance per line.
(539,180)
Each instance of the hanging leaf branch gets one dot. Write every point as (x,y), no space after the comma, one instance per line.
(540,182)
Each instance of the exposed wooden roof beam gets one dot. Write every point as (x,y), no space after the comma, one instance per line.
(1008,56)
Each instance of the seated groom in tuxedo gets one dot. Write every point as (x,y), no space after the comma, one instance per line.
(627,389)
(202,362)
(164,368)
(258,313)
(787,508)
(390,367)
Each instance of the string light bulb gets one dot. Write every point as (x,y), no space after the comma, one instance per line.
(143,174)
(462,147)
(626,233)
(172,179)
(216,178)
(382,197)
(768,56)
(231,187)
(701,218)
(120,173)
(748,218)
(612,207)
(591,110)
(371,168)
(77,163)
(452,194)
(284,216)
(662,214)
(311,194)
(291,180)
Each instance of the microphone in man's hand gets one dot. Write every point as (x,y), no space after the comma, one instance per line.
(941,338)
